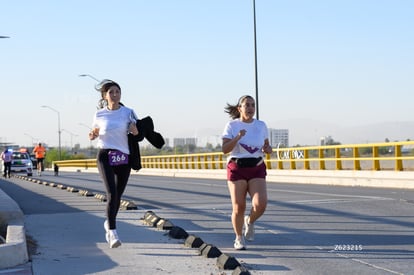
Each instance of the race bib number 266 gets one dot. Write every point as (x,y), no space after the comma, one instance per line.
(117,158)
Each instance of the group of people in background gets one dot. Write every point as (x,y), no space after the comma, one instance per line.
(245,140)
(7,156)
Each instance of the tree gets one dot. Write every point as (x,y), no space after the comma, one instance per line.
(53,155)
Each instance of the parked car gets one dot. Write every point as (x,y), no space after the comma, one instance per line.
(34,161)
(21,162)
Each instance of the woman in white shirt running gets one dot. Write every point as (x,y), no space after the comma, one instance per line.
(111,125)
(246,141)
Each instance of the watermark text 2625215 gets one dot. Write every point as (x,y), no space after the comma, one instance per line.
(348,247)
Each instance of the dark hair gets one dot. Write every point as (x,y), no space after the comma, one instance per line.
(233,110)
(103,87)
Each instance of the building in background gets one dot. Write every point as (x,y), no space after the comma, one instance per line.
(279,136)
(327,140)
(184,141)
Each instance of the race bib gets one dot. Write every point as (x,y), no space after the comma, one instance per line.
(117,158)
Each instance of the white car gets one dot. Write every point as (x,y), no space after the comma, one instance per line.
(21,162)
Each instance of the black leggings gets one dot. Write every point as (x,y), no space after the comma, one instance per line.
(7,169)
(115,179)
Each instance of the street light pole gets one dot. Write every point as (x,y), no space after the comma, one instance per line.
(31,138)
(84,125)
(71,137)
(255,60)
(90,141)
(90,76)
(98,82)
(59,131)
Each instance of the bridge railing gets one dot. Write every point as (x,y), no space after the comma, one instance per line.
(397,156)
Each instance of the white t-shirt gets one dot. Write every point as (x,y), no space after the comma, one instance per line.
(6,156)
(251,144)
(113,128)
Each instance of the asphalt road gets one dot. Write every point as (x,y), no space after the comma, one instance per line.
(307,229)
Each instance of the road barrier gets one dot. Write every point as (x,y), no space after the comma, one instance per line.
(396,156)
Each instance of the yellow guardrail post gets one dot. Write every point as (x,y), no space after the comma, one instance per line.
(398,160)
(306,164)
(375,160)
(175,162)
(279,161)
(221,161)
(338,162)
(199,162)
(292,161)
(321,159)
(279,164)
(357,164)
(268,163)
(214,162)
(169,163)
(205,162)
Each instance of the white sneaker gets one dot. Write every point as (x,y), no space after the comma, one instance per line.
(248,229)
(114,241)
(239,244)
(106,226)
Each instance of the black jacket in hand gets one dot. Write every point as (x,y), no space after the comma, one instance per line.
(145,130)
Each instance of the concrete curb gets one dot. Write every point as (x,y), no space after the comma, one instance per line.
(14,251)
(224,261)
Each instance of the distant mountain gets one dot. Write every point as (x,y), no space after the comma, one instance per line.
(309,132)
(394,131)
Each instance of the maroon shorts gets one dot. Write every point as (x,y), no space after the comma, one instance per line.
(246,173)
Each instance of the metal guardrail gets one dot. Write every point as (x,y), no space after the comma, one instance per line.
(397,156)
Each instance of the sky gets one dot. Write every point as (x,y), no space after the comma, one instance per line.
(320,65)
